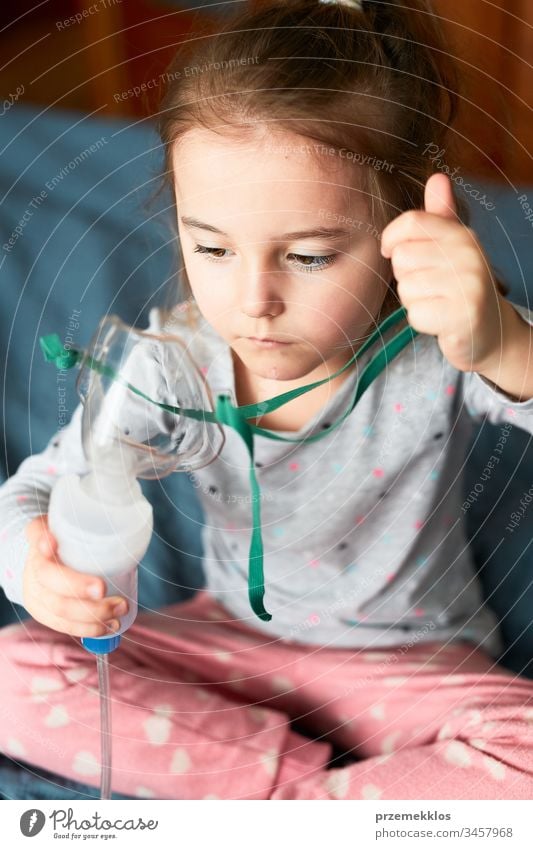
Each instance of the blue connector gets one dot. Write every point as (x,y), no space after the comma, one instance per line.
(101,645)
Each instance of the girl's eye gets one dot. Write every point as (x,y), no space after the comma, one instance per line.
(310,263)
(208,252)
(319,263)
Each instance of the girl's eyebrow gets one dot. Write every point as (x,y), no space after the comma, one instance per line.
(317,232)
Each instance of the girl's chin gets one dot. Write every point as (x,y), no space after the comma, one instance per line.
(276,370)
(275,363)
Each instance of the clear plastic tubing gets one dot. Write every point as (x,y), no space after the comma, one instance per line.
(105,725)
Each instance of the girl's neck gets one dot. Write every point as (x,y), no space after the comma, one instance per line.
(295,414)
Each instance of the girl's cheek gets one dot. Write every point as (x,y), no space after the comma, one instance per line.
(214,307)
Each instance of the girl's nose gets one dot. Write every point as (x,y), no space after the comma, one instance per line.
(260,293)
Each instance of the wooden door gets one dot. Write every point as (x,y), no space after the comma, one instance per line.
(494,45)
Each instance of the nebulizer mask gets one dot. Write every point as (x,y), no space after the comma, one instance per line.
(148,412)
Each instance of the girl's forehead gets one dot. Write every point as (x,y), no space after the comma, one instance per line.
(236,168)
(279,145)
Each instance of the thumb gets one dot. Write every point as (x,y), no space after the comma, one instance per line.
(438,196)
(47,544)
(39,534)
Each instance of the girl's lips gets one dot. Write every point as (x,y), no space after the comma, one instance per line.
(267,343)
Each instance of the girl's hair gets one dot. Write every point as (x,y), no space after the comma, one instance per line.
(375,86)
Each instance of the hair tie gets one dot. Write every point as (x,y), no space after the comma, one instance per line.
(350,4)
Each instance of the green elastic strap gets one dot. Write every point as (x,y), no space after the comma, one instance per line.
(236,417)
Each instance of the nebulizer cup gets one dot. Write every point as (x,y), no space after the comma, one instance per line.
(101,520)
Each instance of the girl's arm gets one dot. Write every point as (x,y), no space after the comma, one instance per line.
(510,370)
(483,396)
(26,494)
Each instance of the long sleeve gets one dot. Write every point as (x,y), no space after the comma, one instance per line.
(482,398)
(26,494)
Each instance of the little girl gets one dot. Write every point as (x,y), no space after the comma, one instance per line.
(307,212)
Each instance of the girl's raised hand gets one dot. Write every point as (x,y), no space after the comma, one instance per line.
(445,282)
(60,597)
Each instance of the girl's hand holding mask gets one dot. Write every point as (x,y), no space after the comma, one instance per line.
(445,283)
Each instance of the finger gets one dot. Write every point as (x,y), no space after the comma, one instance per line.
(62,580)
(47,544)
(441,281)
(418,285)
(80,610)
(40,536)
(414,225)
(421,254)
(429,315)
(437,283)
(77,629)
(439,198)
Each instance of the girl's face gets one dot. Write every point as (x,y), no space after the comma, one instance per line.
(279,245)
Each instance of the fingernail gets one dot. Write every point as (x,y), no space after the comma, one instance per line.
(94,591)
(120,609)
(113,625)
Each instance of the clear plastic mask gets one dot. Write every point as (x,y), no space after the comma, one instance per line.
(121,427)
